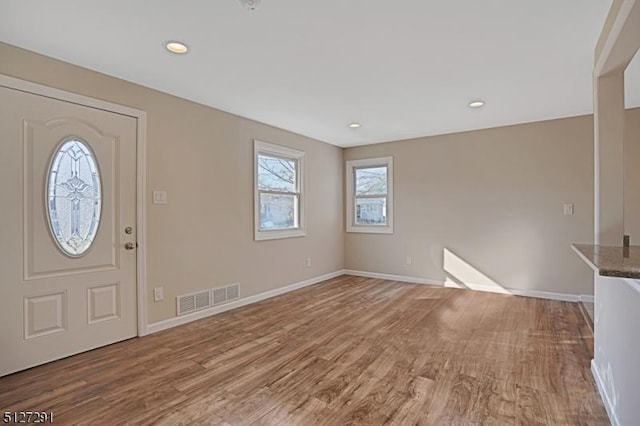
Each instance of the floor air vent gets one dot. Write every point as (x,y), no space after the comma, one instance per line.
(225,294)
(193,302)
(233,292)
(204,299)
(186,304)
(219,295)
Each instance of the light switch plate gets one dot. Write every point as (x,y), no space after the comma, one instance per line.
(158,294)
(159,197)
(568,209)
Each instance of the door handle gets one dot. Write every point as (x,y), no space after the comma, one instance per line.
(129,246)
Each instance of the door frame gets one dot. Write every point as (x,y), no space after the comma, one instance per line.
(141,173)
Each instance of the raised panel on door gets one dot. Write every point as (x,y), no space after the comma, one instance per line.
(43,257)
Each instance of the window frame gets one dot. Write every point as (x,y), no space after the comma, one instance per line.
(278,151)
(350,182)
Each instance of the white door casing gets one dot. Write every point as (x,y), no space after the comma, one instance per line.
(54,305)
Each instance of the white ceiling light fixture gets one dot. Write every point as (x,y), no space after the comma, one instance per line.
(251,4)
(354,125)
(476,104)
(177,47)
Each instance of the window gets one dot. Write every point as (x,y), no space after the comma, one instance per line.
(370,195)
(74,197)
(279,194)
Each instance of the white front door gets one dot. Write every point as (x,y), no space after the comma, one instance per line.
(67,229)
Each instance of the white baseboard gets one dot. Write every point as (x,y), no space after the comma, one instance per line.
(564,297)
(587,298)
(185,319)
(390,277)
(603,394)
(516,292)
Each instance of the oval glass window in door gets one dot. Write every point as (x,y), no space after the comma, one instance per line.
(74,197)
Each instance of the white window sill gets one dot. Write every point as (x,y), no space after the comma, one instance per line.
(363,229)
(279,234)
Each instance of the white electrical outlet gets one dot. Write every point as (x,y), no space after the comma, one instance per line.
(158,294)
(308,262)
(409,260)
(159,197)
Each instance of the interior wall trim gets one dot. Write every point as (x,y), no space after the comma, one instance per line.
(185,319)
(587,298)
(565,297)
(391,277)
(603,394)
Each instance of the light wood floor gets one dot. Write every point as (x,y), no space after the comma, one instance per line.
(587,310)
(348,351)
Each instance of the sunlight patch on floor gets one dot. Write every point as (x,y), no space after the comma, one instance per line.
(460,274)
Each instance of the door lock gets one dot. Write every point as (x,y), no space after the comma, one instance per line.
(128,230)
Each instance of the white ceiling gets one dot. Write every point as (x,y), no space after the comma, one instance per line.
(403,68)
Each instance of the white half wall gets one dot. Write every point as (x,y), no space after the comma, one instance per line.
(616,365)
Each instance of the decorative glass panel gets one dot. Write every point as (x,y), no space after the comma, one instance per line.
(278,211)
(371,181)
(74,197)
(371,211)
(276,174)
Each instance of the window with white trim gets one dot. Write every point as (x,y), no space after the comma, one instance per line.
(370,195)
(278,191)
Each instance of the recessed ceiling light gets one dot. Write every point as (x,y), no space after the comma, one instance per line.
(354,125)
(177,47)
(476,104)
(251,4)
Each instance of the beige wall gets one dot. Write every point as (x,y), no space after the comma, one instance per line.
(494,198)
(632,175)
(203,157)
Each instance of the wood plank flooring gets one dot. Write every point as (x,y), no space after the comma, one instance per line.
(347,351)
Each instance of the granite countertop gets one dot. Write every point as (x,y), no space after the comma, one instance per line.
(623,262)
